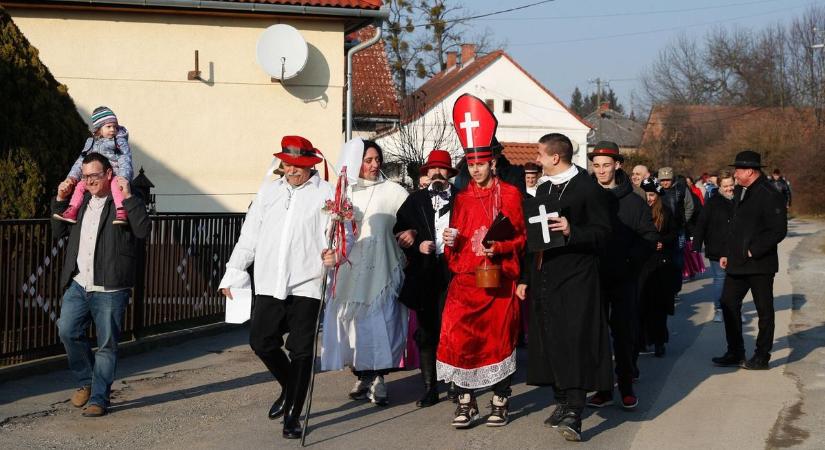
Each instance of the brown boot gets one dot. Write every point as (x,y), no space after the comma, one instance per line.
(81,396)
(94,411)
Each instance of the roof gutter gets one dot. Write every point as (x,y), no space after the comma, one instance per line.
(378,31)
(379,14)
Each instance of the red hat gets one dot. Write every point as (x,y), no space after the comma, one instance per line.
(299,152)
(440,159)
(476,127)
(606,148)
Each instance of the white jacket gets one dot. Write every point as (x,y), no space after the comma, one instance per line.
(284,234)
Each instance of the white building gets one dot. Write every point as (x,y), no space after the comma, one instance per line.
(525,109)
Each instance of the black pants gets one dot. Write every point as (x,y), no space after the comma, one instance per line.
(271,319)
(502,388)
(573,398)
(622,301)
(734,291)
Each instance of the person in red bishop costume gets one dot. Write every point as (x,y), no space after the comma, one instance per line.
(479,329)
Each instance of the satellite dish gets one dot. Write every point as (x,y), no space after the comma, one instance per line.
(282,51)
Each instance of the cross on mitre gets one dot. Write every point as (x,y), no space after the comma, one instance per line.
(474,123)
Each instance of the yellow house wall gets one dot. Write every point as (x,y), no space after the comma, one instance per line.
(204,144)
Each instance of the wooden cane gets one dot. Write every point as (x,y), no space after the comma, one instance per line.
(308,399)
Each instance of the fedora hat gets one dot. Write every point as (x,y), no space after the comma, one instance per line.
(440,159)
(748,159)
(606,148)
(298,151)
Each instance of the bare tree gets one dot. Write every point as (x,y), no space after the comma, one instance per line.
(418,134)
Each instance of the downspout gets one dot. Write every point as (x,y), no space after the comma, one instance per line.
(378,31)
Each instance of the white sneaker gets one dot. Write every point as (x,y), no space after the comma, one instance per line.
(378,391)
(717,316)
(359,391)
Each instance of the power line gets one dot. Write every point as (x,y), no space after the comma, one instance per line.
(494,13)
(636,13)
(659,30)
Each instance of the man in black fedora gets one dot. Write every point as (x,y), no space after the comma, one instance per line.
(758,225)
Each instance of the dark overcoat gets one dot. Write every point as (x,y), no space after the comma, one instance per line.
(569,340)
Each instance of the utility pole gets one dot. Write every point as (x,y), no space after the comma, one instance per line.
(599,84)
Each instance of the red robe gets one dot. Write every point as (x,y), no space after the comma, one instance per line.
(479,327)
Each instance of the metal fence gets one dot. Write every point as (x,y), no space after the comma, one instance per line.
(179,270)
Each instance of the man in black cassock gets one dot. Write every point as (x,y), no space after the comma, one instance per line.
(569,342)
(427,212)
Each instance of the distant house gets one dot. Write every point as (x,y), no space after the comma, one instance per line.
(525,109)
(611,125)
(203,140)
(374,99)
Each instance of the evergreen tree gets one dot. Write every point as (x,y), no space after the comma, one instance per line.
(41,131)
(577,102)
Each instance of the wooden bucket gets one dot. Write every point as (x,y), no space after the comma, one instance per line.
(488,276)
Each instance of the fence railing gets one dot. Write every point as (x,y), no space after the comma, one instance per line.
(178,274)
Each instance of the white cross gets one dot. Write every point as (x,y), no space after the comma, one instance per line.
(468,125)
(542,219)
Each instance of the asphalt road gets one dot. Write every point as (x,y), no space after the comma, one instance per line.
(213,393)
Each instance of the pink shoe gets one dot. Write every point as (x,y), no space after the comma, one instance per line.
(120,217)
(69,215)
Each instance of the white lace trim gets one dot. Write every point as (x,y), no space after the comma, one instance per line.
(479,377)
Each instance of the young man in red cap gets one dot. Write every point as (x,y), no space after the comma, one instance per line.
(633,238)
(284,235)
(427,213)
(479,327)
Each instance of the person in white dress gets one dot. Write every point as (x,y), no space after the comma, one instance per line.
(365,327)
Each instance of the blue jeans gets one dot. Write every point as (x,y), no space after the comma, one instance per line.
(718,275)
(106,310)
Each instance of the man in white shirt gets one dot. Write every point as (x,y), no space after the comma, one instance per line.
(532,173)
(99,273)
(284,234)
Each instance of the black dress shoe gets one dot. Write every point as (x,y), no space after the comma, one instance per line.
(756,363)
(555,418)
(659,352)
(570,426)
(277,409)
(430,398)
(292,427)
(729,360)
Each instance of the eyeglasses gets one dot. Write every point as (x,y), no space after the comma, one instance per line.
(93,176)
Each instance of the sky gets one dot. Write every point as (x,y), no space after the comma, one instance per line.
(567,43)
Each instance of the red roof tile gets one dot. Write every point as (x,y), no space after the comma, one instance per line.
(519,153)
(444,83)
(373,88)
(359,4)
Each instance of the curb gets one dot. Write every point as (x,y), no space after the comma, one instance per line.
(124,349)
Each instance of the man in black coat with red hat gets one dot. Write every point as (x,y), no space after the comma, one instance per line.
(633,239)
(427,213)
(758,225)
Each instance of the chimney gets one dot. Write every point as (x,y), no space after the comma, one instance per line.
(452,57)
(468,53)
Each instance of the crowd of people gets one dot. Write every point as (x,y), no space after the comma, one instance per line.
(464,259)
